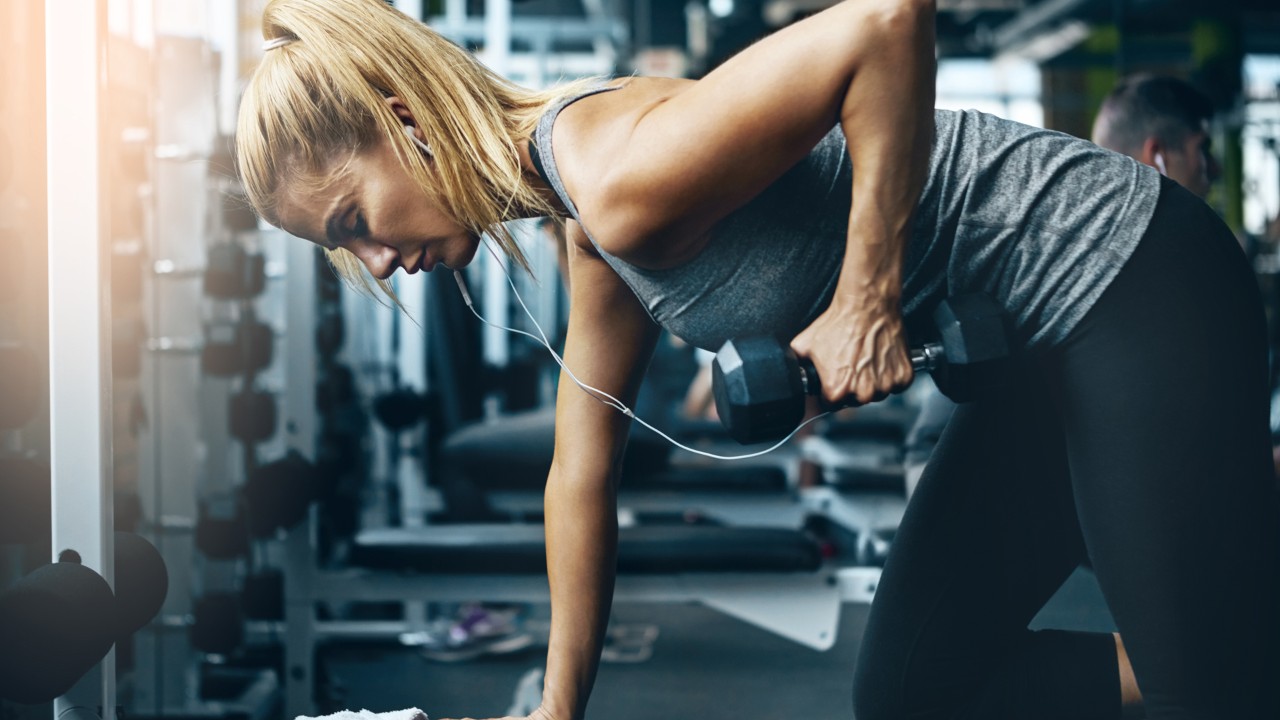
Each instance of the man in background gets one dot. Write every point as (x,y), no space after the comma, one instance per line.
(1163,122)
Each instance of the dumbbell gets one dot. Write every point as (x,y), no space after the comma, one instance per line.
(252,416)
(279,493)
(57,623)
(61,619)
(234,273)
(217,623)
(240,348)
(141,583)
(222,530)
(262,595)
(760,385)
(400,409)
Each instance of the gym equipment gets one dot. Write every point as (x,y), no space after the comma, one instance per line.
(21,386)
(760,385)
(222,532)
(217,624)
(277,494)
(251,416)
(234,273)
(400,409)
(142,583)
(24,501)
(335,388)
(247,346)
(328,284)
(262,595)
(337,452)
(331,331)
(57,623)
(770,577)
(241,689)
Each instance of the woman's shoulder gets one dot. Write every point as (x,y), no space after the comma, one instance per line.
(592,124)
(612,109)
(590,138)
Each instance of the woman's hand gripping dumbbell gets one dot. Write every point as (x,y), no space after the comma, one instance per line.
(760,385)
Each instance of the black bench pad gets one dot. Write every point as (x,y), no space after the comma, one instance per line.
(521,549)
(514,453)
(760,479)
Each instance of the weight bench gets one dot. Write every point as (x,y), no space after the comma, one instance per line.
(774,578)
(507,461)
(758,497)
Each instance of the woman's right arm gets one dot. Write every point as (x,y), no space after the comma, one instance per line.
(610,340)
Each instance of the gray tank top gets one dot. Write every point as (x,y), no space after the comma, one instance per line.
(1039,220)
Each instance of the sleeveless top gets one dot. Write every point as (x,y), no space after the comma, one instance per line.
(1039,220)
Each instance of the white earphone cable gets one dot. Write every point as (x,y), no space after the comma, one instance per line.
(599,395)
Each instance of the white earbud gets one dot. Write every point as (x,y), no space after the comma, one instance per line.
(1159,160)
(408,130)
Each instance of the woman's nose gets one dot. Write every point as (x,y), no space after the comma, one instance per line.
(380,259)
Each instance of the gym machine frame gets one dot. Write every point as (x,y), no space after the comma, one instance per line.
(79,341)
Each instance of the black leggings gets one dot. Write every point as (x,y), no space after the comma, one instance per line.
(1140,442)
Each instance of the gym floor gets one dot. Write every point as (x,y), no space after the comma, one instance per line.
(704,664)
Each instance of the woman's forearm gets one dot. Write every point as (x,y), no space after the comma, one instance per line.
(582,531)
(887,118)
(857,344)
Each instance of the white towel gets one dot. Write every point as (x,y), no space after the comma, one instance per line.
(406,714)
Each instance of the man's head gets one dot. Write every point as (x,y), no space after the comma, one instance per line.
(1163,122)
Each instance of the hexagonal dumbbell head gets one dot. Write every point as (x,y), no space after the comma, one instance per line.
(757,389)
(974,333)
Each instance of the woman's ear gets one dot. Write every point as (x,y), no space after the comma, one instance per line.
(410,127)
(402,112)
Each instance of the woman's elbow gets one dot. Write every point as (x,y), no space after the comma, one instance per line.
(911,10)
(894,18)
(895,30)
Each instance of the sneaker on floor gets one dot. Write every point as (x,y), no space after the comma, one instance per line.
(477,631)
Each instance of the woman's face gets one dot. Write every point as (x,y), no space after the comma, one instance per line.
(377,212)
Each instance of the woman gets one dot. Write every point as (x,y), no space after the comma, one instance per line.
(807,188)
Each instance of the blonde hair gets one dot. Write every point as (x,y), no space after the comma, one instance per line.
(318,98)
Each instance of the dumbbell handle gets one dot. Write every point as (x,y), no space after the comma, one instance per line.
(926,358)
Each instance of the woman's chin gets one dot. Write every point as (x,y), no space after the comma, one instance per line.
(465,256)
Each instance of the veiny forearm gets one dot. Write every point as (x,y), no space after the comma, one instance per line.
(886,113)
(887,118)
(581,531)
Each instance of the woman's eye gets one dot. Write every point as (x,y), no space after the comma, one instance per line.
(360,229)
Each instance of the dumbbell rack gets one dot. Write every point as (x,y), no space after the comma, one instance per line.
(214,314)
